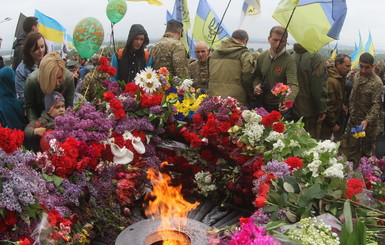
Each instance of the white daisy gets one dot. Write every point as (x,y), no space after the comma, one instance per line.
(140,79)
(151,86)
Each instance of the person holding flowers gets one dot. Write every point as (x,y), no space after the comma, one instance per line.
(275,65)
(365,109)
(51,75)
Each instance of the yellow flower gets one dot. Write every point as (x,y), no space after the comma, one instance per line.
(171,96)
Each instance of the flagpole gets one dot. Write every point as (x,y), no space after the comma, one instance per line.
(220,23)
(112,36)
(284,33)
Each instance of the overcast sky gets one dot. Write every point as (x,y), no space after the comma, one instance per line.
(362,16)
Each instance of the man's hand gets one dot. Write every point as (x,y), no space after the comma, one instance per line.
(282,108)
(321,117)
(258,90)
(336,128)
(364,124)
(345,109)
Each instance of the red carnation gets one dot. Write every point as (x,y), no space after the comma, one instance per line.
(288,103)
(279,127)
(209,156)
(10,217)
(267,121)
(131,88)
(353,187)
(278,69)
(260,201)
(275,115)
(294,163)
(108,96)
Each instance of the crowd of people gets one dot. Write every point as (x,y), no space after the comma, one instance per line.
(332,100)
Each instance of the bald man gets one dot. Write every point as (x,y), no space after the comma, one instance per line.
(198,69)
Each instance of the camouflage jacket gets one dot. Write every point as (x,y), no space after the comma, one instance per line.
(199,73)
(365,101)
(170,53)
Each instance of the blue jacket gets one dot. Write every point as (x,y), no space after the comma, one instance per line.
(22,72)
(11,109)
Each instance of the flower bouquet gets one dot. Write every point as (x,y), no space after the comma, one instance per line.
(282,91)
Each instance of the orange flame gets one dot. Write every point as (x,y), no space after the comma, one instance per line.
(168,203)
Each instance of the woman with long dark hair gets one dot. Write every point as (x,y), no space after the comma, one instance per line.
(34,50)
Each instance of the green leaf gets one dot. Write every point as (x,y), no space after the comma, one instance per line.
(288,187)
(348,216)
(315,191)
(270,209)
(47,177)
(282,200)
(57,180)
(291,216)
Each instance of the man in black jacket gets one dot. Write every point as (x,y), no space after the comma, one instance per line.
(30,24)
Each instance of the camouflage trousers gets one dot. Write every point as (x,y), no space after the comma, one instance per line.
(354,149)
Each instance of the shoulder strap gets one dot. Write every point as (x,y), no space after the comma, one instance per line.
(146,55)
(120,53)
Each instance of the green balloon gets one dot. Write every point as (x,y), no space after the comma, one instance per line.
(88,36)
(116,9)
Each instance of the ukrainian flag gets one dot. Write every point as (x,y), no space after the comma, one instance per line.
(314,23)
(50,28)
(70,41)
(334,52)
(355,56)
(369,47)
(206,26)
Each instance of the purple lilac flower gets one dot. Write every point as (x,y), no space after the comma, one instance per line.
(260,217)
(261,111)
(222,117)
(85,124)
(112,86)
(207,105)
(279,169)
(367,166)
(157,110)
(130,104)
(20,183)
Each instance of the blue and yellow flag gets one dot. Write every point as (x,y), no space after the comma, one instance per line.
(250,10)
(182,14)
(185,40)
(70,41)
(369,47)
(314,23)
(334,52)
(153,2)
(50,28)
(355,56)
(206,26)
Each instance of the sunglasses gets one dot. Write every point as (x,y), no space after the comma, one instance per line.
(365,66)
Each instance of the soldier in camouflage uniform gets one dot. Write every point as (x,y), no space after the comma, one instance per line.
(169,52)
(198,69)
(365,107)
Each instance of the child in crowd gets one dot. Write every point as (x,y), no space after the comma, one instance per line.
(54,106)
